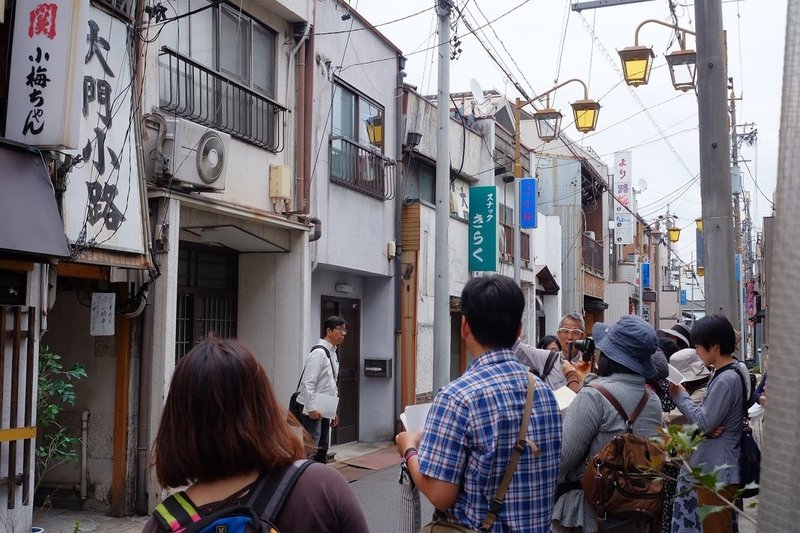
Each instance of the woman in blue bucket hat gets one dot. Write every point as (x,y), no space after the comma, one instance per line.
(624,362)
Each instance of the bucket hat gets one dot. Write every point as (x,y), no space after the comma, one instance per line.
(681,332)
(689,364)
(630,342)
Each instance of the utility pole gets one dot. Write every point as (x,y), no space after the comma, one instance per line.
(715,182)
(736,187)
(441,293)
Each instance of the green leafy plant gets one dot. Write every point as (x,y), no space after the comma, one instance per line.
(679,442)
(55,446)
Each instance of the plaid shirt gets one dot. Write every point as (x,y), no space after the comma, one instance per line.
(469,435)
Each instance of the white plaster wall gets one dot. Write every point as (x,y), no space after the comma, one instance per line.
(466,141)
(376,296)
(357,228)
(377,395)
(273,310)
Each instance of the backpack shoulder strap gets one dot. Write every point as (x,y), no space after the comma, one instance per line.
(328,353)
(268,498)
(550,363)
(176,512)
(613,401)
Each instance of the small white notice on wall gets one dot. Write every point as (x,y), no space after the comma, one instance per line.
(102,314)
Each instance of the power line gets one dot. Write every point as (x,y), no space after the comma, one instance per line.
(373,26)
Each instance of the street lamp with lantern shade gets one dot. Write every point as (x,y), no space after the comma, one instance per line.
(637,61)
(548,127)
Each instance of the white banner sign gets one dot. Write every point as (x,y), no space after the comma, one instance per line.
(623,193)
(102,204)
(44,88)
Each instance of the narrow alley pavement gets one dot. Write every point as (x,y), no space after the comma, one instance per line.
(372,469)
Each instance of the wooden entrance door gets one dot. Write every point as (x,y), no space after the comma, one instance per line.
(349,364)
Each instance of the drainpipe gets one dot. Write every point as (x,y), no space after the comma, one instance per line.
(84,446)
(300,119)
(401,102)
(308,105)
(145,390)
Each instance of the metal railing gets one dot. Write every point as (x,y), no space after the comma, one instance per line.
(593,254)
(359,168)
(190,90)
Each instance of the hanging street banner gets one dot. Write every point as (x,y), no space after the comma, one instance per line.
(623,193)
(483,229)
(102,203)
(527,202)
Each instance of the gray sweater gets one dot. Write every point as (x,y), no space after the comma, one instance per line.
(722,407)
(589,423)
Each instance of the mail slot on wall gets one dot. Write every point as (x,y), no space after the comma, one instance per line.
(378,368)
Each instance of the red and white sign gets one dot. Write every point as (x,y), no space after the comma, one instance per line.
(44,89)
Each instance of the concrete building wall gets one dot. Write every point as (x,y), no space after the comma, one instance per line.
(69,337)
(560,189)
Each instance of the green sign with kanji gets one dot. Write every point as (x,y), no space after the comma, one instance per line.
(483,229)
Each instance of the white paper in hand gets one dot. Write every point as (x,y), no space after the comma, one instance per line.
(414,416)
(564,396)
(675,376)
(327,405)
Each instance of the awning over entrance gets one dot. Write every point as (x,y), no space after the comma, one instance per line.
(590,303)
(546,280)
(31,226)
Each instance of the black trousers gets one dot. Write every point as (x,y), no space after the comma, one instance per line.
(319,430)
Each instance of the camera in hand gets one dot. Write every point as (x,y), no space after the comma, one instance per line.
(585,347)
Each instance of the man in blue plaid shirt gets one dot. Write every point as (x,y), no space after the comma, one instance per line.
(459,459)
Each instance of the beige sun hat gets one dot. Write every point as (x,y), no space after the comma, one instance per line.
(689,364)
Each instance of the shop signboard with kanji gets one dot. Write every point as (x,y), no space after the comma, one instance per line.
(44,86)
(623,196)
(482,240)
(102,203)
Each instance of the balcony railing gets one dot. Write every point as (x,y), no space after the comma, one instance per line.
(361,169)
(593,255)
(195,92)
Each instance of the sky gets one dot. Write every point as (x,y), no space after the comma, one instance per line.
(543,43)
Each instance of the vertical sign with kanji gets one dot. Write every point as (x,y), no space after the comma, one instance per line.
(527,202)
(44,87)
(482,245)
(623,192)
(102,204)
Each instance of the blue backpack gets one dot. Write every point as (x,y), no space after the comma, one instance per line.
(258,515)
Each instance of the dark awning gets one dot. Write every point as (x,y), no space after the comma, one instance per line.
(547,281)
(30,226)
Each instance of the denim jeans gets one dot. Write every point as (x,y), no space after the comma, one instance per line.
(319,430)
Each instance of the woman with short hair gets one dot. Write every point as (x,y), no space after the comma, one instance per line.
(222,432)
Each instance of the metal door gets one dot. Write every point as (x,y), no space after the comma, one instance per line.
(349,364)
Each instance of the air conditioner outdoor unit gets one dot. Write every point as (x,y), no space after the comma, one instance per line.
(197,155)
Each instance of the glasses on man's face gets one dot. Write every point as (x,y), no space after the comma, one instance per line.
(569,331)
(343,331)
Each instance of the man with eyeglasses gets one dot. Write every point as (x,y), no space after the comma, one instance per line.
(319,377)
(557,370)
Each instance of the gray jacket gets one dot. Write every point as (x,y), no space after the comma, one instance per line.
(535,359)
(589,424)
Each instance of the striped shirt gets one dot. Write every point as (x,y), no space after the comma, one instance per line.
(469,436)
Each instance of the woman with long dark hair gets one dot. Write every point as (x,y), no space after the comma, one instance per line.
(223,433)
